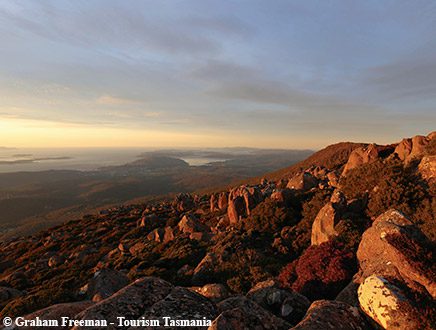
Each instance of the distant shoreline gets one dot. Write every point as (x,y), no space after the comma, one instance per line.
(33,160)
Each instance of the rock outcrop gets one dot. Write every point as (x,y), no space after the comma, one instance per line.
(191,224)
(394,247)
(387,305)
(326,314)
(284,303)
(303,181)
(427,169)
(130,302)
(161,235)
(397,266)
(236,209)
(181,304)
(362,156)
(323,227)
(411,148)
(215,292)
(238,313)
(56,312)
(104,284)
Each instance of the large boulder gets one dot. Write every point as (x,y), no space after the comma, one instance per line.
(161,235)
(323,227)
(409,149)
(303,181)
(326,314)
(284,303)
(252,196)
(57,312)
(394,247)
(333,178)
(181,304)
(204,269)
(387,305)
(240,313)
(130,302)
(282,195)
(213,203)
(191,224)
(427,168)
(236,209)
(223,200)
(104,284)
(360,156)
(348,294)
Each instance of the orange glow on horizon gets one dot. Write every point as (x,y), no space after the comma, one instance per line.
(27,133)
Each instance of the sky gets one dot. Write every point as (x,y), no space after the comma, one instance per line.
(197,73)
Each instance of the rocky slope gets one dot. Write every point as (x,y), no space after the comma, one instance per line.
(344,239)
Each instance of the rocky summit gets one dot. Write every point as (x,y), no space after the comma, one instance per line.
(342,240)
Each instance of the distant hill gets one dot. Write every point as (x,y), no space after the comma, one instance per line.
(31,201)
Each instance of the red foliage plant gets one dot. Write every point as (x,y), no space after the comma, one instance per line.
(321,272)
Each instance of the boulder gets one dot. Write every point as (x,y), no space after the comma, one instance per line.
(161,235)
(223,200)
(427,168)
(236,209)
(252,196)
(323,227)
(348,294)
(148,220)
(199,236)
(130,302)
(190,224)
(56,312)
(104,284)
(333,178)
(242,313)
(387,305)
(215,292)
(409,149)
(213,203)
(282,195)
(284,303)
(137,248)
(360,156)
(326,314)
(181,304)
(243,319)
(303,181)
(204,269)
(394,247)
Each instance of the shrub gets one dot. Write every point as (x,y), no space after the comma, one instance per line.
(321,272)
(270,217)
(390,184)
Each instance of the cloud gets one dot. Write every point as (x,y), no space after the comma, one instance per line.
(111,100)
(116,26)
(410,79)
